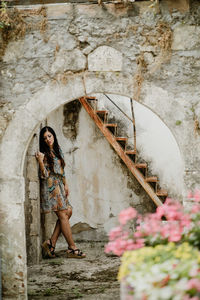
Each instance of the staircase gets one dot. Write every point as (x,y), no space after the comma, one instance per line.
(139,170)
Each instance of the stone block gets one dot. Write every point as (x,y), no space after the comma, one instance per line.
(109,82)
(18,88)
(118,9)
(98,234)
(16,139)
(34,250)
(81,226)
(63,39)
(181,5)
(32,169)
(147,48)
(33,190)
(59,11)
(13,247)
(69,61)
(14,51)
(12,191)
(192,53)
(148,57)
(90,11)
(186,37)
(56,95)
(39,48)
(35,213)
(105,58)
(34,144)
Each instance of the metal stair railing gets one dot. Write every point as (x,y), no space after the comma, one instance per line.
(131,120)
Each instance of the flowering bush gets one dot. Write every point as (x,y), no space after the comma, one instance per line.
(161,272)
(165,263)
(170,223)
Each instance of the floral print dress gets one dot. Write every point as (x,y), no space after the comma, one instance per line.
(53,197)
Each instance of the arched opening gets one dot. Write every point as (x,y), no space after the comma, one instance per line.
(100,184)
(21,130)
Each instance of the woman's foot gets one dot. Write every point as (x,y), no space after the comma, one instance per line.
(75,253)
(48,249)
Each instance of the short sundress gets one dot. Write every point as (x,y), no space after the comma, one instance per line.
(53,197)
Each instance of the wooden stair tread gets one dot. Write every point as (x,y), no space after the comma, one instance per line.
(162,193)
(152,179)
(141,165)
(131,152)
(101,112)
(91,98)
(111,125)
(121,139)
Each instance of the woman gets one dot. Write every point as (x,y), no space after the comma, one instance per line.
(54,192)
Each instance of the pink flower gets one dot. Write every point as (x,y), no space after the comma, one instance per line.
(179,223)
(189,195)
(195,208)
(175,232)
(151,225)
(174,237)
(185,220)
(117,247)
(139,243)
(160,211)
(130,245)
(165,231)
(187,297)
(138,234)
(193,283)
(114,233)
(126,215)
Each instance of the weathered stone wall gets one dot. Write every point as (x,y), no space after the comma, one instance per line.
(78,49)
(32,204)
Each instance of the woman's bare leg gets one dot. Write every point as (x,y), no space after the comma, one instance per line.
(57,229)
(65,227)
(62,225)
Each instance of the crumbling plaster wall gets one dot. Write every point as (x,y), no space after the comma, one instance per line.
(45,70)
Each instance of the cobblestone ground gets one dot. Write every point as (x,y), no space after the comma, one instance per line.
(62,278)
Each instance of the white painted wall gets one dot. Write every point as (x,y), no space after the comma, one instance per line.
(155,142)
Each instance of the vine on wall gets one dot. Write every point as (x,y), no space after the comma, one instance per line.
(162,38)
(14,24)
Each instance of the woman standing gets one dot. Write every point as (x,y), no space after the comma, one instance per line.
(54,192)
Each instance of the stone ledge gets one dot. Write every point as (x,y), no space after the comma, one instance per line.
(105,58)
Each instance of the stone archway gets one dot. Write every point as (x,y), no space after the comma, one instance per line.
(12,155)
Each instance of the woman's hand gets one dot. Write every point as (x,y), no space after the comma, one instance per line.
(40,156)
(66,190)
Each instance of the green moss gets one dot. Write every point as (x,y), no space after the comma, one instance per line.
(178,122)
(31,293)
(56,262)
(77,293)
(48,292)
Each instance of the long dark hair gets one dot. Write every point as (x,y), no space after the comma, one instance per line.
(44,148)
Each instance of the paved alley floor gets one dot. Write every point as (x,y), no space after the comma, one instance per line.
(62,278)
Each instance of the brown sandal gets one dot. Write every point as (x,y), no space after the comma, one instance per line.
(47,251)
(75,253)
